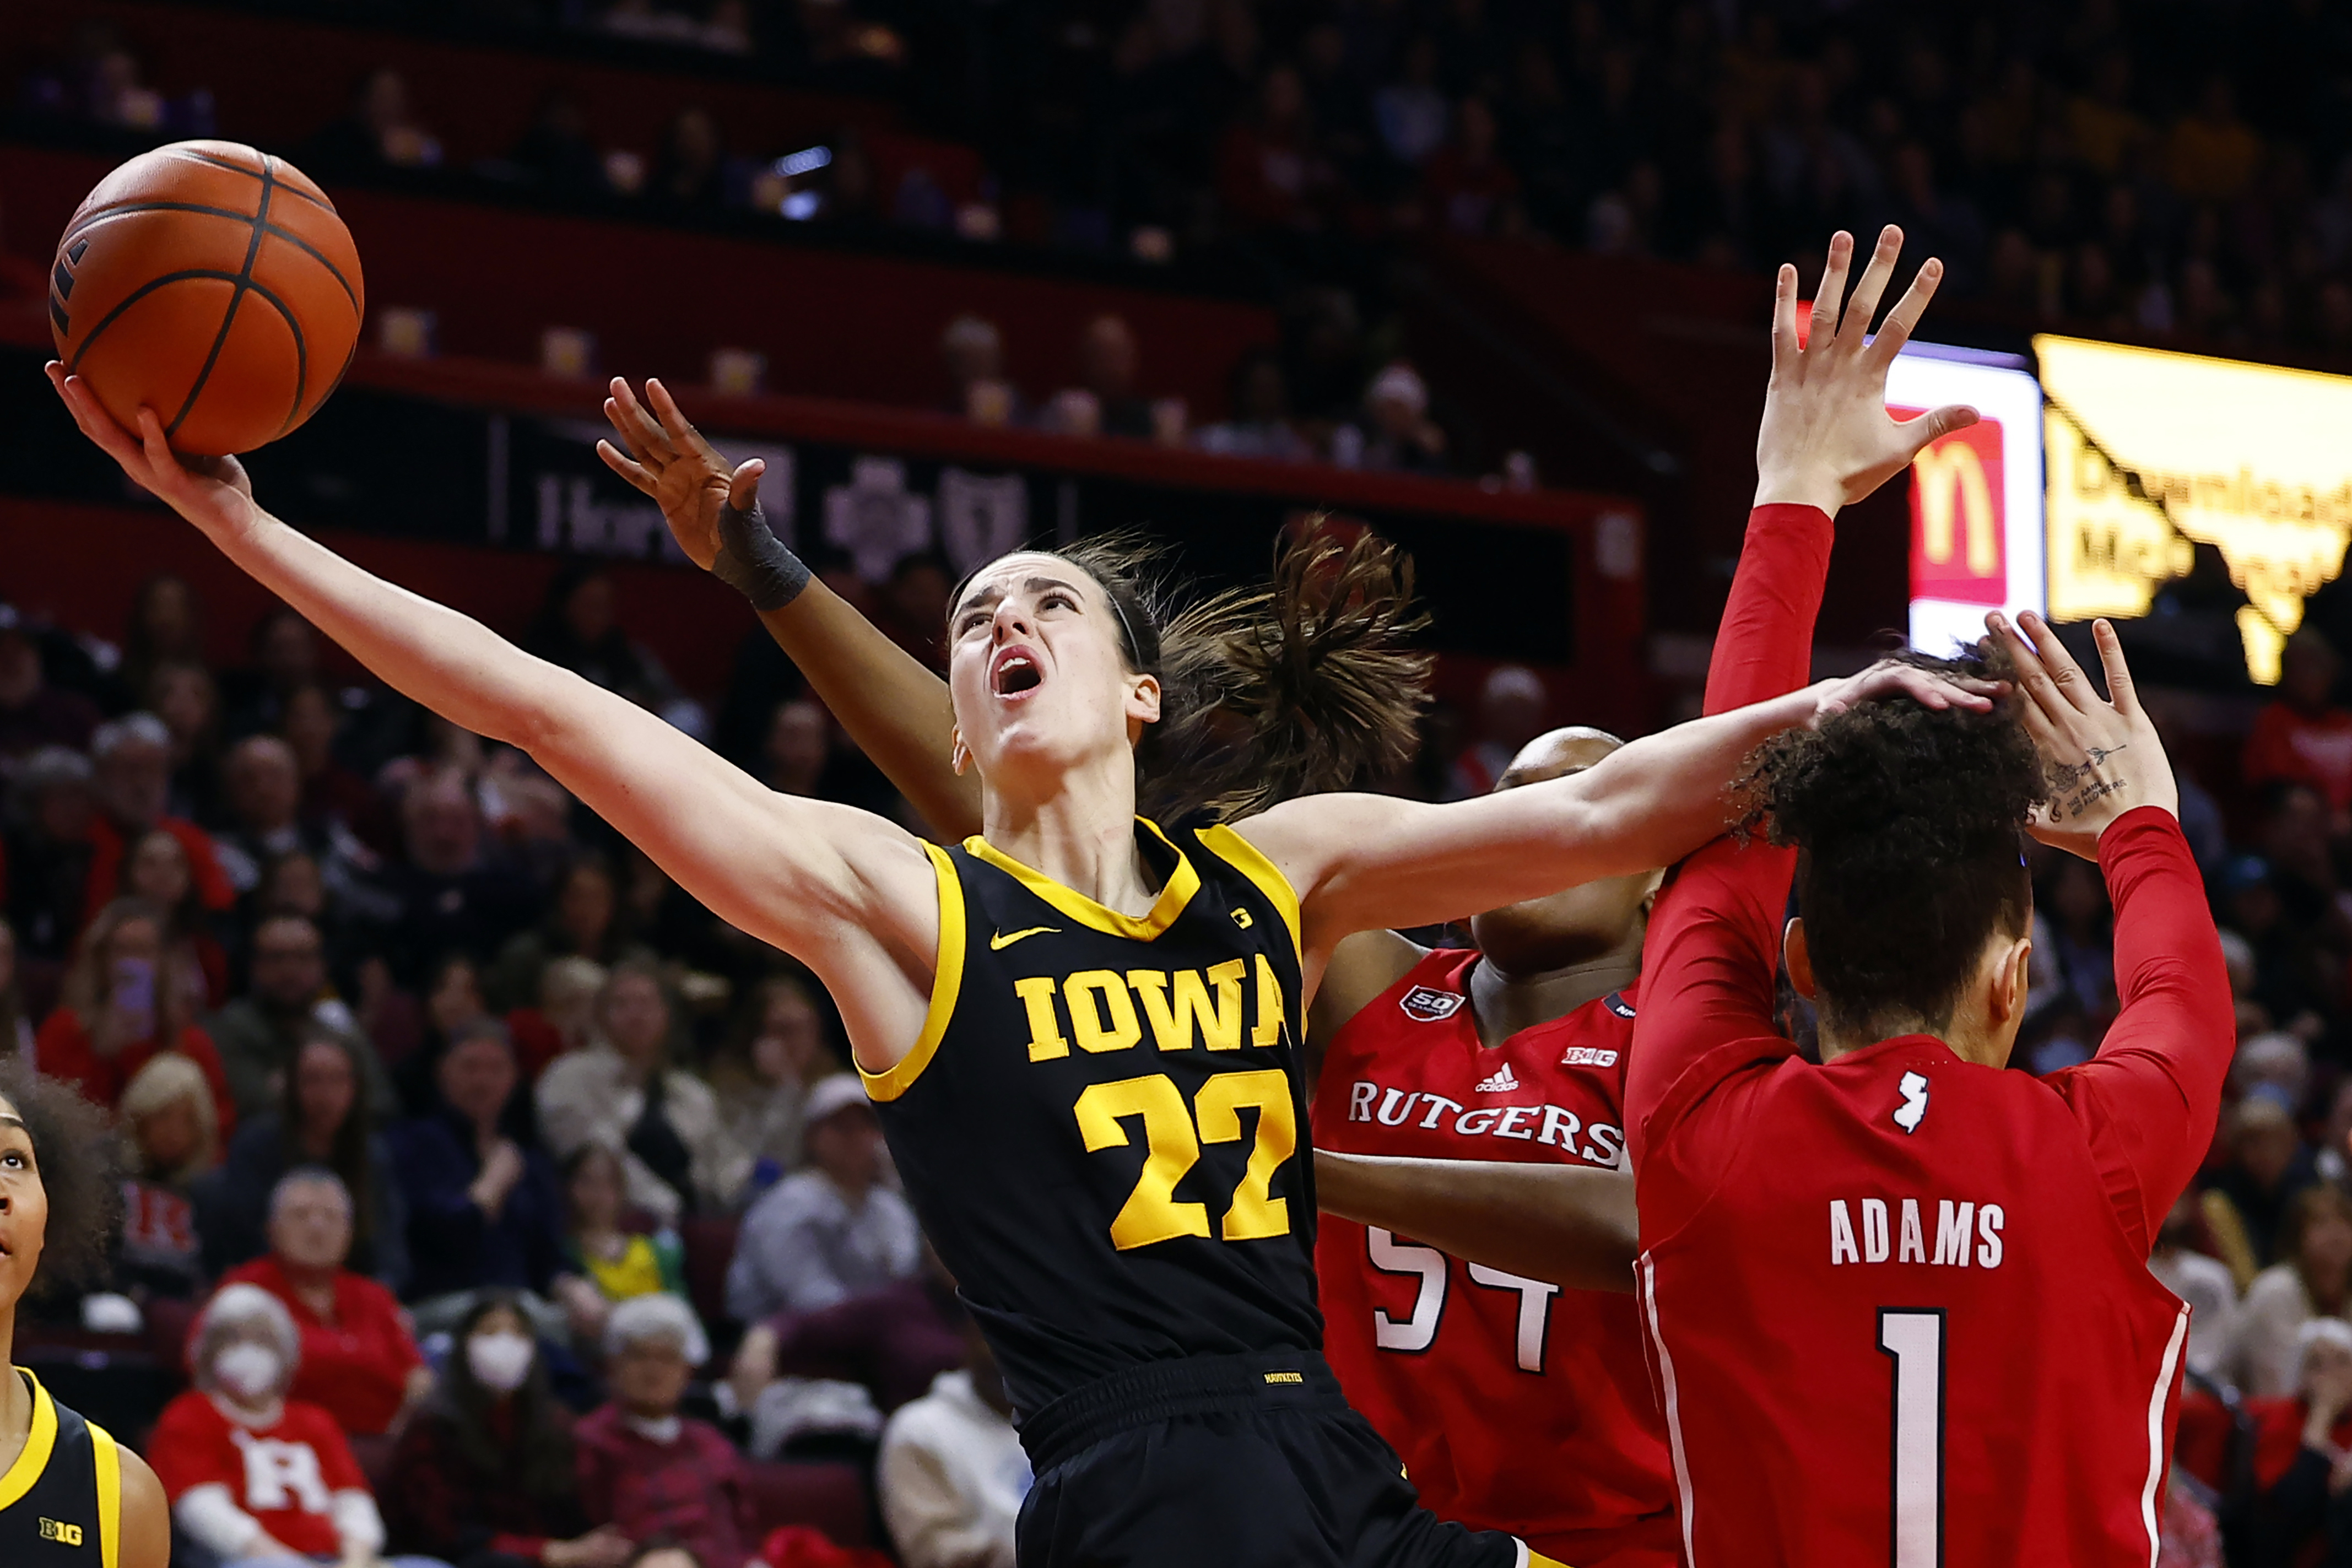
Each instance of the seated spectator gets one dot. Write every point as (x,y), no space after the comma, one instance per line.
(32,714)
(157,873)
(2268,1166)
(952,1474)
(2205,1283)
(2300,1442)
(255,1473)
(1105,402)
(1465,187)
(166,623)
(580,922)
(2082,939)
(48,852)
(15,1027)
(831,1232)
(2312,1279)
(621,1092)
(358,1360)
(453,894)
(2303,735)
(131,782)
(690,171)
(1271,173)
(565,1019)
(1512,705)
(119,1010)
(557,151)
(335,798)
(288,1000)
(182,693)
(891,1343)
(647,1470)
(1398,436)
(484,1210)
(1411,112)
(1260,426)
(172,1129)
(379,130)
(762,1078)
(320,1121)
(485,1475)
(972,351)
(578,626)
(262,780)
(620,1263)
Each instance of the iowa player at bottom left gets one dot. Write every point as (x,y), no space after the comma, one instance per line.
(71,1496)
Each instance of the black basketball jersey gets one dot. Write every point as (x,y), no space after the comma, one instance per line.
(1102,1124)
(61,1501)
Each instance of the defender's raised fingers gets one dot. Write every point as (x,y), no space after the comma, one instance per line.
(1903,319)
(636,473)
(2120,690)
(675,424)
(2067,674)
(1871,288)
(2032,676)
(1831,294)
(645,434)
(1784,320)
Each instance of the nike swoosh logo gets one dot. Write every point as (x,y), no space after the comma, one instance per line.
(999,942)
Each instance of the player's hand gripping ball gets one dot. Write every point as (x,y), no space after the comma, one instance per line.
(215,285)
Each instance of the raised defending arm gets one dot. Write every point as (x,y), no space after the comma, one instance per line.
(1572,1224)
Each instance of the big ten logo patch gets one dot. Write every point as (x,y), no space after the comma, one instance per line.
(64,1535)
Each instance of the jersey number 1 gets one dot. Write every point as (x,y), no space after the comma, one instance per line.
(1913,1339)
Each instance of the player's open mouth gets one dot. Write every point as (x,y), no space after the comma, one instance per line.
(1014,672)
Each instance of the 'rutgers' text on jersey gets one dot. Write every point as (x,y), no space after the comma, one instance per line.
(1899,1305)
(1515,1404)
(1099,1124)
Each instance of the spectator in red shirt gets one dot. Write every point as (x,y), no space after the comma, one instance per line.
(121,1007)
(1465,187)
(255,1474)
(646,1469)
(2303,735)
(359,1362)
(133,783)
(2302,1452)
(485,1475)
(1270,174)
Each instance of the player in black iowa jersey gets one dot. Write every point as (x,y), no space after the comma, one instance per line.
(1108,1154)
(71,1496)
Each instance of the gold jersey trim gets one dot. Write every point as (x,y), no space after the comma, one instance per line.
(1247,857)
(1182,883)
(107,1460)
(947,981)
(39,1442)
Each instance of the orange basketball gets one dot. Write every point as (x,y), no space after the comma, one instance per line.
(215,285)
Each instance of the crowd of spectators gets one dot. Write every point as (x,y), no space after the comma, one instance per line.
(510,1207)
(2181,173)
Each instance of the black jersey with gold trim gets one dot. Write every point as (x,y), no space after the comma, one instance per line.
(61,1499)
(1101,1124)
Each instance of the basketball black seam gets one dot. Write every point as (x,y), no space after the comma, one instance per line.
(228,318)
(261,290)
(253,174)
(286,235)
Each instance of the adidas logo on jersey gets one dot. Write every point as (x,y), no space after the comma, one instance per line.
(1500,1083)
(1428,1006)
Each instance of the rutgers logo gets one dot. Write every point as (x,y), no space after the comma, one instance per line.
(1428,1006)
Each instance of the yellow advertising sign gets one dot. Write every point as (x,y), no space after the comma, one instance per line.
(2149,453)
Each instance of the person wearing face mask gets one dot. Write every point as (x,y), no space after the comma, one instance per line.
(485,1475)
(254,1475)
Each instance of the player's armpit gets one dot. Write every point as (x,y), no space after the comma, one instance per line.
(1572,1224)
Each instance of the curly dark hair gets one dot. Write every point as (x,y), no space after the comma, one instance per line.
(1304,683)
(1909,824)
(74,1155)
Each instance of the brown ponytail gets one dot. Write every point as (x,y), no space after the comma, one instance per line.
(1298,685)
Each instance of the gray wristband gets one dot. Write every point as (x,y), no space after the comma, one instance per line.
(754,563)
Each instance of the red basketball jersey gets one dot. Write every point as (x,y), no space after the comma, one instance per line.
(1899,1304)
(1515,1404)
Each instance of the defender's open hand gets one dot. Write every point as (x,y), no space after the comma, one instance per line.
(1827,438)
(669,460)
(2103,754)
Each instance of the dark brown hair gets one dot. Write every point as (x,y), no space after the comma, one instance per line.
(75,1157)
(1302,684)
(1910,828)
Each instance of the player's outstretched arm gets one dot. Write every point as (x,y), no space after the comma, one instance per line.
(897,711)
(1570,1224)
(1363,862)
(850,894)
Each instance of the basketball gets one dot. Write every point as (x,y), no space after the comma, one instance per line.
(213,283)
